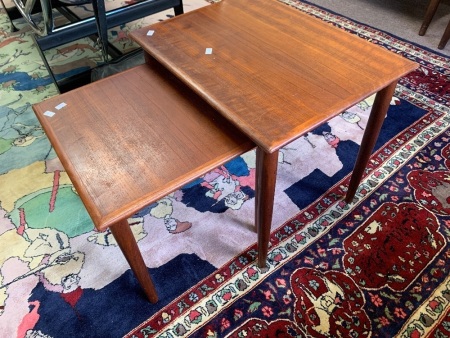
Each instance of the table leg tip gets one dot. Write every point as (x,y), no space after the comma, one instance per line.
(262,264)
(152,299)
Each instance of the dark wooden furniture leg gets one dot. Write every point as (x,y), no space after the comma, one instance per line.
(376,119)
(266,175)
(127,243)
(445,37)
(431,10)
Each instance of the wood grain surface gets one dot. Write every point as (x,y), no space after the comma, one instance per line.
(274,71)
(133,138)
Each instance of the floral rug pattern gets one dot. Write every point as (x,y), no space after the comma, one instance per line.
(325,276)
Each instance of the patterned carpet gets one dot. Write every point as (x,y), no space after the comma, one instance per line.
(377,267)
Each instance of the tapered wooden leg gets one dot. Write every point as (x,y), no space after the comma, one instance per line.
(376,119)
(445,37)
(431,10)
(266,175)
(127,243)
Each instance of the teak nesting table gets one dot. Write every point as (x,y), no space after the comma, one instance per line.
(130,139)
(275,73)
(258,66)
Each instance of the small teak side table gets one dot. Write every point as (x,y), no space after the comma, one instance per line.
(275,73)
(130,139)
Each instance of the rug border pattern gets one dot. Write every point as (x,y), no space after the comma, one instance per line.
(281,252)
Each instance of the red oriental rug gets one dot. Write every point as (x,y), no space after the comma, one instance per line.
(378,267)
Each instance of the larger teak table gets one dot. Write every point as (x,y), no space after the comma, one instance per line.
(275,73)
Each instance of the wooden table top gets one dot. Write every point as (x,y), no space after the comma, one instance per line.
(274,72)
(135,137)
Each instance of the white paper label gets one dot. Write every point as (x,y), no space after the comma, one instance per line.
(61,105)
